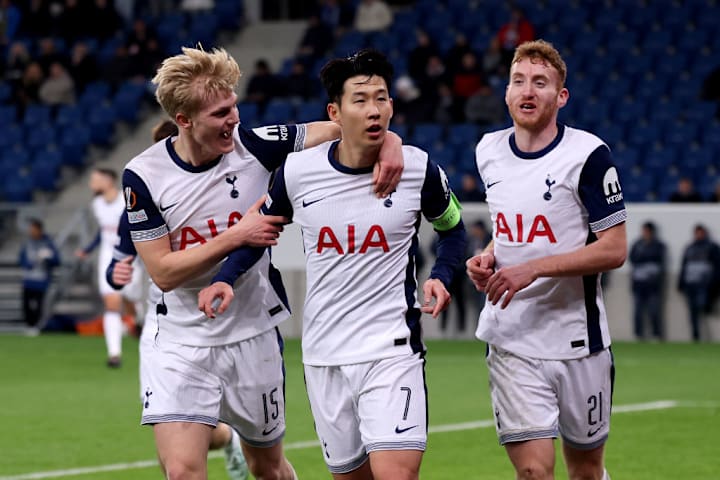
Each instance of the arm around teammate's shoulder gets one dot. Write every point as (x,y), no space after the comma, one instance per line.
(170,269)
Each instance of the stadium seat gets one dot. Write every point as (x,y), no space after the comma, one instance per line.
(74,142)
(278,111)
(426,135)
(248,112)
(10,135)
(40,136)
(68,115)
(18,187)
(229,14)
(463,135)
(35,114)
(101,121)
(311,110)
(45,170)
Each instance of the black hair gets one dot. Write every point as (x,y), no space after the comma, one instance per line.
(367,62)
(650,226)
(36,222)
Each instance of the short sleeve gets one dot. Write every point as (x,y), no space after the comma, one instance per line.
(601,191)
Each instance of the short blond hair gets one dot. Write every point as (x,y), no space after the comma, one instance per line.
(546,53)
(184,81)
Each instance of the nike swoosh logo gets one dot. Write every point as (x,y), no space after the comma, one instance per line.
(307,204)
(593,432)
(491,184)
(403,430)
(268,432)
(162,209)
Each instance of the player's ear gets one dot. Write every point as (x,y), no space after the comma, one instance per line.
(333,111)
(182,120)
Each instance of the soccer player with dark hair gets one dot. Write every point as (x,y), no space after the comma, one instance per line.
(362,345)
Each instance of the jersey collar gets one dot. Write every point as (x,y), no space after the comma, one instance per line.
(186,166)
(540,153)
(342,168)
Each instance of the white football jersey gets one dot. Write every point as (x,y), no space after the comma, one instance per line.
(107,215)
(166,196)
(547,203)
(361,300)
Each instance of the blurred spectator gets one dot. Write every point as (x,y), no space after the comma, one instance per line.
(455,54)
(699,274)
(38,256)
(316,40)
(470,190)
(35,19)
(485,107)
(430,79)
(48,54)
(10,17)
(420,55)
(29,87)
(715,195)
(337,15)
(126,9)
(647,256)
(263,85)
(142,47)
(73,21)
(196,6)
(685,192)
(372,16)
(119,68)
(298,84)
(492,64)
(58,88)
(83,66)
(16,62)
(466,82)
(444,102)
(516,31)
(106,20)
(408,105)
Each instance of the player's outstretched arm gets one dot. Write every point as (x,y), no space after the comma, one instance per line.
(389,168)
(169,268)
(434,289)
(607,253)
(208,296)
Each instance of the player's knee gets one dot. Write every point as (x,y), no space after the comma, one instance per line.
(266,468)
(181,470)
(586,471)
(400,473)
(534,471)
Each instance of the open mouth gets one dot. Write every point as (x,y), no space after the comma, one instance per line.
(226,134)
(526,107)
(374,129)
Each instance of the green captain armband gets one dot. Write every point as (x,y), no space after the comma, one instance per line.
(450,217)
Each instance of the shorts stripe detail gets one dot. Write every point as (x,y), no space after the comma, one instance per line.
(523,436)
(378,446)
(350,466)
(264,443)
(179,417)
(587,446)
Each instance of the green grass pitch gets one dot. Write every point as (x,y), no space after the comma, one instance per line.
(63,411)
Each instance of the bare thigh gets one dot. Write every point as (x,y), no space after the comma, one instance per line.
(182,448)
(533,459)
(584,464)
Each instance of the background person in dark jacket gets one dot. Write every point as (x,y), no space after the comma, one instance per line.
(38,257)
(647,257)
(699,275)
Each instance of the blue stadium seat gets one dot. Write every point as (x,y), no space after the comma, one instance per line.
(16,158)
(101,121)
(10,135)
(248,112)
(311,110)
(74,142)
(45,170)
(6,92)
(18,187)
(68,115)
(426,135)
(637,187)
(202,29)
(8,114)
(278,111)
(40,136)
(229,14)
(463,135)
(36,114)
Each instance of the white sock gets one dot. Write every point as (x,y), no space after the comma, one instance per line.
(606,475)
(113,328)
(234,437)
